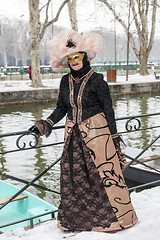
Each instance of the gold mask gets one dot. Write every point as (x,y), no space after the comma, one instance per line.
(75,57)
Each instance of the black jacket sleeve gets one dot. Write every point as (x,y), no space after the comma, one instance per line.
(104,97)
(61,109)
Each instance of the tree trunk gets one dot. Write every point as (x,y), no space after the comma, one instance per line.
(5,59)
(16,57)
(73,14)
(37,33)
(35,42)
(143,60)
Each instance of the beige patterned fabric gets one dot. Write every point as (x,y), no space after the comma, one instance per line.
(94,196)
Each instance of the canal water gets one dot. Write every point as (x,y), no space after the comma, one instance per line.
(28,163)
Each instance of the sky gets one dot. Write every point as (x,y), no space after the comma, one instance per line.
(13,8)
(89,16)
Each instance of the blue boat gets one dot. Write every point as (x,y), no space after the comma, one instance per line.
(25,210)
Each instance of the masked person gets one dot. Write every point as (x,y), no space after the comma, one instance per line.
(94,196)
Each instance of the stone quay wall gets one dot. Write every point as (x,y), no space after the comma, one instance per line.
(37,95)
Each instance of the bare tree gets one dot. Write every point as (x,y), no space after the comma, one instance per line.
(36,34)
(9,42)
(0,29)
(144,15)
(72,14)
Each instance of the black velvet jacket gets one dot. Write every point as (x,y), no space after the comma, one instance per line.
(84,100)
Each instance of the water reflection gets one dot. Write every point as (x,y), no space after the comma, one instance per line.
(137,105)
(27,164)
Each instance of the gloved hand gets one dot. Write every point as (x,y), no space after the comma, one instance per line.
(122,159)
(41,127)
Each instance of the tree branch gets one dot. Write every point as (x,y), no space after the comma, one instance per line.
(43,7)
(114,14)
(147,7)
(135,17)
(154,11)
(124,26)
(46,23)
(47,7)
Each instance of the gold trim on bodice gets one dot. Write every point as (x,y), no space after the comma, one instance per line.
(79,97)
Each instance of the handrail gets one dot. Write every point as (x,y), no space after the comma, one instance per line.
(143,185)
(136,158)
(134,117)
(26,132)
(132,124)
(141,115)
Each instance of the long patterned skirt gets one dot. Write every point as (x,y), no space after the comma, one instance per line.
(94,196)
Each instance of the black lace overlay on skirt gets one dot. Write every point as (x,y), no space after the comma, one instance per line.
(84,202)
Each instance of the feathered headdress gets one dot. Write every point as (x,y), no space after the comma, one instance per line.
(69,41)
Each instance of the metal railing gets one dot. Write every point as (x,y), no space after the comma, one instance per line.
(101,67)
(132,124)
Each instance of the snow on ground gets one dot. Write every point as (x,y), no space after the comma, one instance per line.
(20,85)
(136,78)
(146,204)
(17,85)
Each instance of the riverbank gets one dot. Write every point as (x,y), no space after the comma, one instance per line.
(20,91)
